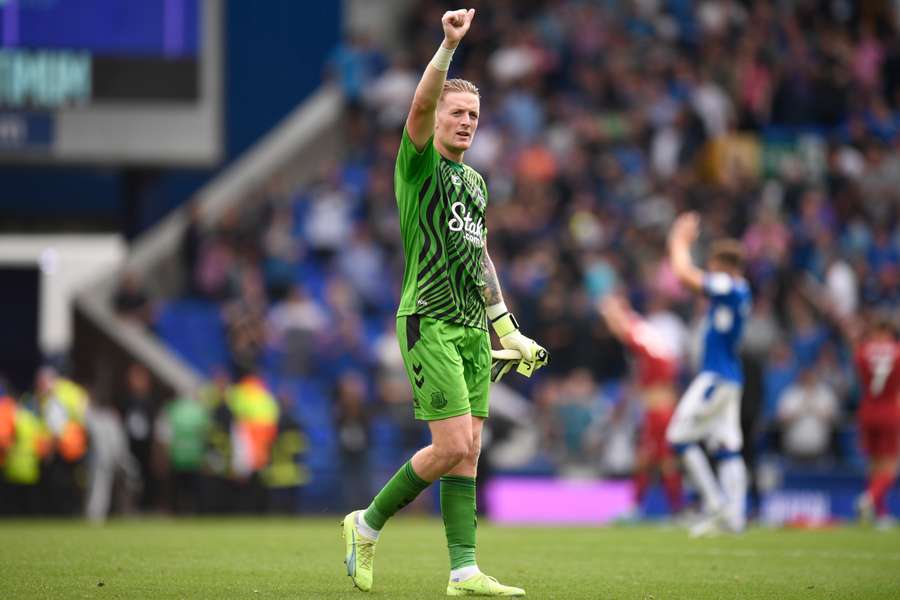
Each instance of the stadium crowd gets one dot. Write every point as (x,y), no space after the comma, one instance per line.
(600,121)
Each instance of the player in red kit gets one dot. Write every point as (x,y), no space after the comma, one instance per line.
(877,360)
(656,372)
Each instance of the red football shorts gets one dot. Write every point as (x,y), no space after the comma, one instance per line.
(880,440)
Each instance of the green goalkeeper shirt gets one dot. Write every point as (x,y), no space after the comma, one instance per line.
(442,220)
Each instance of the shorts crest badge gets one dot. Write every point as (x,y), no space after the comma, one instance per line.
(438,400)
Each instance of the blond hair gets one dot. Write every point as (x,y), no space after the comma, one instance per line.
(459,85)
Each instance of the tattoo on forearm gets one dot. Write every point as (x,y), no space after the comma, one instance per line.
(491,290)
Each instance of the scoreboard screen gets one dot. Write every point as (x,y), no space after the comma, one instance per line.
(110,81)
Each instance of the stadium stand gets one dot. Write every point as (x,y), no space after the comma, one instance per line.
(590,144)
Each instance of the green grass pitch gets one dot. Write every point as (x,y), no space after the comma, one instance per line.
(302,558)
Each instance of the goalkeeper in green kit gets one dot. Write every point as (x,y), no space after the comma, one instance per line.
(450,293)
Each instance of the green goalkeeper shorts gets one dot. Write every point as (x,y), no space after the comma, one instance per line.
(448,365)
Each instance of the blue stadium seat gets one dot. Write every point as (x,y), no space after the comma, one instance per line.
(383,444)
(194,330)
(312,406)
(310,275)
(849,446)
(270,363)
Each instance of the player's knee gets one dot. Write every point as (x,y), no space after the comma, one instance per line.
(474,452)
(885,466)
(451,453)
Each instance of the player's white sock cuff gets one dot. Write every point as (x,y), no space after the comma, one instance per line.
(364,527)
(457,575)
(442,58)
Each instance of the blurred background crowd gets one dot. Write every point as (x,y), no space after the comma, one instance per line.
(600,121)
(232,448)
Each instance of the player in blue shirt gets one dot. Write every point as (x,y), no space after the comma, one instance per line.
(709,412)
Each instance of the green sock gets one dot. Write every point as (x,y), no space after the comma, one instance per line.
(458,510)
(402,489)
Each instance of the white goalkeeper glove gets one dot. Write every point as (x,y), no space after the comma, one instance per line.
(519,351)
